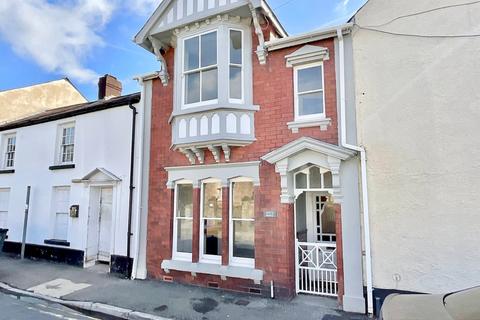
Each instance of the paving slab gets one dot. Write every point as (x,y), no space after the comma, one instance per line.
(164,299)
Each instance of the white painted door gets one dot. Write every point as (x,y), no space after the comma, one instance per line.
(93,226)
(105,224)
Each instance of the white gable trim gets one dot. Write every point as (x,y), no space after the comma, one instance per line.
(106,175)
(304,151)
(307,143)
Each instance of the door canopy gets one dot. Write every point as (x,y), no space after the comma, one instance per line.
(303,153)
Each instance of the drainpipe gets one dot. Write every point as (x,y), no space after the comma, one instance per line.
(131,186)
(139,181)
(363,166)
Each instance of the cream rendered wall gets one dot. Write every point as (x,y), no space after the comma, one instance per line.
(418,117)
(18,103)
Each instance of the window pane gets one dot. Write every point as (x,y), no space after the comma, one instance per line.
(209,49)
(327,180)
(328,220)
(184,235)
(209,84)
(315,178)
(191,54)
(184,200)
(243,239)
(212,200)
(212,237)
(192,87)
(301,181)
(235,83)
(243,200)
(235,47)
(310,79)
(311,103)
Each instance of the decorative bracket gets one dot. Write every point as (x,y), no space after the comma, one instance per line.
(226,152)
(157,50)
(189,154)
(199,153)
(261,49)
(215,152)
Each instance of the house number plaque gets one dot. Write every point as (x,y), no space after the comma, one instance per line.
(270,214)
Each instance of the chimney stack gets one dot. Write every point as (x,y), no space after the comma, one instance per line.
(109,87)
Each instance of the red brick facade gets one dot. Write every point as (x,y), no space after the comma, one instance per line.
(274,237)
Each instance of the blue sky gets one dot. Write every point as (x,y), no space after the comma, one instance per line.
(43,40)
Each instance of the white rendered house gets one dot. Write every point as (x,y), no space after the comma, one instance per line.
(82,170)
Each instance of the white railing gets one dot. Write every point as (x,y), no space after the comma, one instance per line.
(316,268)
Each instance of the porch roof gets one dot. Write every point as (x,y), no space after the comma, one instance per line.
(98,175)
(307,143)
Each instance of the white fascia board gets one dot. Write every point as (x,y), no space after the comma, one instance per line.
(142,34)
(303,38)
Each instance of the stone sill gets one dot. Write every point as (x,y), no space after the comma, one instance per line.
(214,269)
(62,166)
(56,242)
(322,123)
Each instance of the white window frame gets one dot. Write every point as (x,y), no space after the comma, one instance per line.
(8,191)
(316,116)
(59,148)
(209,258)
(6,138)
(242,66)
(54,210)
(186,105)
(236,261)
(184,256)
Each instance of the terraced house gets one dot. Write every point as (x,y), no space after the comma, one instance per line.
(253,172)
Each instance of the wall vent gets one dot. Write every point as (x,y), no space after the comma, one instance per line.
(255,290)
(212,284)
(167,278)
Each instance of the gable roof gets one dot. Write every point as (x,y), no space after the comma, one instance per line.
(307,143)
(168,16)
(20,102)
(104,174)
(72,110)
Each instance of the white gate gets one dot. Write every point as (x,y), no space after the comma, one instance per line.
(316,268)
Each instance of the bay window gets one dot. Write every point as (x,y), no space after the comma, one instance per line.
(211,221)
(242,222)
(214,68)
(309,93)
(183,220)
(200,69)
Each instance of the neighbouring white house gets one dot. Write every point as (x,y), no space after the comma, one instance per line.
(416,72)
(81,163)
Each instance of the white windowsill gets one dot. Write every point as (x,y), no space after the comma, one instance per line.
(323,123)
(214,269)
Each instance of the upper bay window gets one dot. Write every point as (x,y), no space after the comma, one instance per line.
(309,93)
(213,67)
(200,69)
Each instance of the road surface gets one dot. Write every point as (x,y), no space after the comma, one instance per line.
(24,308)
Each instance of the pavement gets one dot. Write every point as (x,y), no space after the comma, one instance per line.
(156,298)
(26,308)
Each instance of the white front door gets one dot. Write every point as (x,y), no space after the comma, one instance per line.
(105,224)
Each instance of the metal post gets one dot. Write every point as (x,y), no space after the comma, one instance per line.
(25,220)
